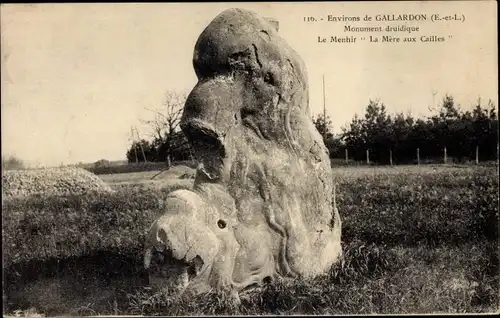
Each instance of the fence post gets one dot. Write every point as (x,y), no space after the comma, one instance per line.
(143,154)
(367,156)
(497,152)
(136,157)
(445,155)
(390,156)
(418,156)
(477,155)
(346,156)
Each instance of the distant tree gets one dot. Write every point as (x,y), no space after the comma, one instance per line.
(461,132)
(325,128)
(323,125)
(355,138)
(102,163)
(377,127)
(134,153)
(449,109)
(335,147)
(165,123)
(373,132)
(492,110)
(12,163)
(486,126)
(441,124)
(180,149)
(402,127)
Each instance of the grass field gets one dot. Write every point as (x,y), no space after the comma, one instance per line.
(416,240)
(174,172)
(343,173)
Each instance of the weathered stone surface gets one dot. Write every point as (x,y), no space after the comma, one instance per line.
(261,204)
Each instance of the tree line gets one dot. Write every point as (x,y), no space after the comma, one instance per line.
(12,163)
(397,137)
(167,143)
(402,137)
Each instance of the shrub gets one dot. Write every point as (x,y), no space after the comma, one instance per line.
(12,163)
(102,163)
(51,181)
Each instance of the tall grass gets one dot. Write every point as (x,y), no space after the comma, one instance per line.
(415,241)
(372,279)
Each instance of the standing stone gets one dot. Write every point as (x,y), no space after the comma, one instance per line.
(261,205)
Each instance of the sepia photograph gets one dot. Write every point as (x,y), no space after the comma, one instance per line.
(250,158)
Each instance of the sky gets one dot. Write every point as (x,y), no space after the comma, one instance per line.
(76,77)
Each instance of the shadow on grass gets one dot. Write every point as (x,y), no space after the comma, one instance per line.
(371,279)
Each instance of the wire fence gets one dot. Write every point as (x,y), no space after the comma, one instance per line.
(418,159)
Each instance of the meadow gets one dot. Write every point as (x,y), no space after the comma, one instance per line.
(417,239)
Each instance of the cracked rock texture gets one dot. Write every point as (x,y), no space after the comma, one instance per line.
(261,205)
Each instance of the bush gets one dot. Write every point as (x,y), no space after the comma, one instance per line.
(102,163)
(12,163)
(51,181)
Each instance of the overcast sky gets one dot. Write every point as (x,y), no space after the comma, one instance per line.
(75,78)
